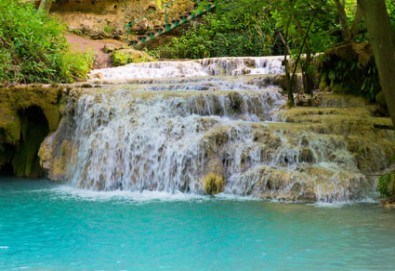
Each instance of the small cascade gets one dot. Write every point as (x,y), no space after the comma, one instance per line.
(128,140)
(176,124)
(194,68)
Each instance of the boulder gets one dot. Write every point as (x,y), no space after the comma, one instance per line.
(213,184)
(126,56)
(109,48)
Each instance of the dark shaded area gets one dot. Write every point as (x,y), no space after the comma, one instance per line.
(22,160)
(350,69)
(6,153)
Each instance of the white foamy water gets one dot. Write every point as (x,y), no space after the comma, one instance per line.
(194,68)
(340,204)
(68,192)
(164,142)
(176,123)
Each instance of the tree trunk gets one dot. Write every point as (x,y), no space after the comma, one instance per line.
(343,20)
(45,6)
(308,82)
(287,51)
(382,40)
(356,22)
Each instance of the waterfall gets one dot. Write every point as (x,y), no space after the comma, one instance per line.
(142,141)
(174,123)
(193,68)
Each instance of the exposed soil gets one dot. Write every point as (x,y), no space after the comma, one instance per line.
(109,18)
(84,44)
(101,22)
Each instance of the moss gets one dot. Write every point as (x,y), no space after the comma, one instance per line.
(18,98)
(213,184)
(236,103)
(386,185)
(27,115)
(126,56)
(34,128)
(306,155)
(60,162)
(10,123)
(350,68)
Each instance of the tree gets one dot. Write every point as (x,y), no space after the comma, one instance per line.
(45,6)
(382,39)
(346,31)
(302,30)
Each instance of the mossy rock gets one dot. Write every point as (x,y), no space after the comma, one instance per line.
(386,185)
(126,56)
(213,184)
(27,115)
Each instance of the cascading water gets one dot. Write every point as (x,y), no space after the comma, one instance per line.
(175,123)
(161,141)
(194,68)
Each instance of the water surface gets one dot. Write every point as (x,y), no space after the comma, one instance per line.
(44,226)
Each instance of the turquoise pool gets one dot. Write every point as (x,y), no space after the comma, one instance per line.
(44,226)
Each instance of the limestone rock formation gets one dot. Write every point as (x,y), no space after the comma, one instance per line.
(125,56)
(27,115)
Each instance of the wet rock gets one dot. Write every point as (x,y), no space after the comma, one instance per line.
(165,139)
(126,56)
(390,203)
(306,155)
(109,48)
(45,152)
(250,62)
(27,115)
(213,184)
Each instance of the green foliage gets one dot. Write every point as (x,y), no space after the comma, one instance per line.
(344,73)
(237,28)
(386,185)
(108,29)
(126,56)
(75,66)
(33,47)
(253,27)
(391,12)
(305,25)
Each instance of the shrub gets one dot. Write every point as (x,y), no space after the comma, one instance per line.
(237,28)
(386,185)
(350,69)
(126,56)
(33,47)
(75,66)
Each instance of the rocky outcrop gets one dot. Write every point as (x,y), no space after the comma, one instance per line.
(108,19)
(126,56)
(213,184)
(324,153)
(27,115)
(213,133)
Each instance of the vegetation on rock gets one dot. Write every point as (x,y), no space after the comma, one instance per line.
(237,28)
(33,47)
(213,184)
(27,115)
(126,56)
(386,185)
(350,68)
(299,29)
